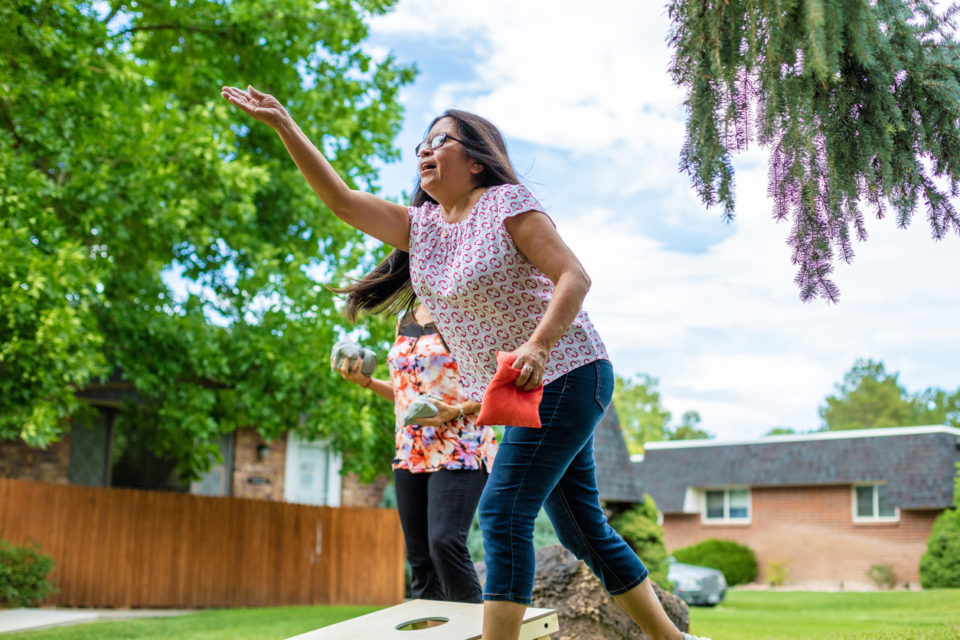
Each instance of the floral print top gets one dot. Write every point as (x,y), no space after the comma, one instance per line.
(421,364)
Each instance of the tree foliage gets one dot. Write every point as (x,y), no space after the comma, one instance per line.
(688,428)
(780,431)
(857,100)
(870,397)
(148,235)
(940,564)
(643,417)
(639,527)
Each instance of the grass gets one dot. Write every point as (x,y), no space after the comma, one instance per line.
(782,615)
(745,615)
(219,624)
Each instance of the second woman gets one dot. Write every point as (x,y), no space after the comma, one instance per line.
(441,464)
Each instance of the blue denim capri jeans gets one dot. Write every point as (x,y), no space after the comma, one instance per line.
(553,467)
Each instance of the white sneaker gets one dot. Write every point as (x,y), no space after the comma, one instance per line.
(687,636)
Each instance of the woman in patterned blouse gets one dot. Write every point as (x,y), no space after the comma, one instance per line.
(441,464)
(480,253)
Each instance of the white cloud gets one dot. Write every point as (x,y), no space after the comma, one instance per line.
(728,323)
(555,73)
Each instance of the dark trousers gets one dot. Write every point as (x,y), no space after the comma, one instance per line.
(436,510)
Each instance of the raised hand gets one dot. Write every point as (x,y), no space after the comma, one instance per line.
(261,106)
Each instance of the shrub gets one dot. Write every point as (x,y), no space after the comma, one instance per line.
(24,573)
(777,573)
(940,565)
(638,526)
(882,576)
(737,562)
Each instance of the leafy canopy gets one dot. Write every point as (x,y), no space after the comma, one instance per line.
(857,100)
(643,417)
(150,238)
(870,397)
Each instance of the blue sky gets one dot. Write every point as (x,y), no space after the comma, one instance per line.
(594,126)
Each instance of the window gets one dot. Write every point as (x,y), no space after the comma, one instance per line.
(90,448)
(107,450)
(870,504)
(726,505)
(312,474)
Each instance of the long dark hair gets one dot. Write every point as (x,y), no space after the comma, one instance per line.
(387,289)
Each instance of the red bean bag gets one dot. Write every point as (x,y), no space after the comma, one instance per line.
(507,404)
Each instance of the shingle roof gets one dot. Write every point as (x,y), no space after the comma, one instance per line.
(616,476)
(917,463)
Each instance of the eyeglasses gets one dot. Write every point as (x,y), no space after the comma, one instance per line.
(436,142)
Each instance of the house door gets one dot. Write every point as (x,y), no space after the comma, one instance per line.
(312,474)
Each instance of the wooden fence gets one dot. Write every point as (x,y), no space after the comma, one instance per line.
(128,548)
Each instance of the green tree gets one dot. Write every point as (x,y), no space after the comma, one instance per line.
(870,397)
(643,417)
(147,233)
(688,428)
(856,100)
(937,406)
(780,431)
(867,397)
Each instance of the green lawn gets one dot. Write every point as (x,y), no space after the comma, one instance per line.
(745,615)
(220,624)
(781,615)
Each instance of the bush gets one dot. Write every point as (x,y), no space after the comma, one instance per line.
(24,573)
(777,573)
(940,565)
(737,562)
(882,576)
(638,526)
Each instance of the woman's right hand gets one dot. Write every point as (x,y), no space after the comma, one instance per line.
(261,106)
(352,373)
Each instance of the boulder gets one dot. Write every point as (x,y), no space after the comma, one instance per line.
(585,609)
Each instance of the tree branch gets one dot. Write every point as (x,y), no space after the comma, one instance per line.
(165,27)
(113,12)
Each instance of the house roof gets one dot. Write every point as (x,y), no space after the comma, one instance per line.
(616,476)
(917,463)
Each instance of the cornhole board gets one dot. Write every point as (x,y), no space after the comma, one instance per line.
(430,620)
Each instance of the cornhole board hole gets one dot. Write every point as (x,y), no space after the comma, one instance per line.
(430,620)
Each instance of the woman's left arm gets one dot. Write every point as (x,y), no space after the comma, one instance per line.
(537,238)
(448,412)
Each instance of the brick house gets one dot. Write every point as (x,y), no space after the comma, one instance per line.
(828,506)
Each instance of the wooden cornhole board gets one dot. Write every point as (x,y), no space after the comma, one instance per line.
(464,621)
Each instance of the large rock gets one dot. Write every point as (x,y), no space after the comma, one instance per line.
(586,610)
